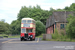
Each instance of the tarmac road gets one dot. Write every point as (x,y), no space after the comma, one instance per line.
(16,44)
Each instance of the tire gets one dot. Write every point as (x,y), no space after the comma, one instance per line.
(25,39)
(31,39)
(21,39)
(34,39)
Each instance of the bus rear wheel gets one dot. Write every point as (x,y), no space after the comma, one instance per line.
(34,39)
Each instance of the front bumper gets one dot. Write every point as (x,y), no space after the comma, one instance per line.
(31,36)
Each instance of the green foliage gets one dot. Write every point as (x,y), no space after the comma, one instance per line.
(59,37)
(34,12)
(40,36)
(71,8)
(16,27)
(37,13)
(70,28)
(60,10)
(67,8)
(55,35)
(15,36)
(62,33)
(4,28)
(40,28)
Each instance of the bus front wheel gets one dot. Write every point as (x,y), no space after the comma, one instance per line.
(31,39)
(21,39)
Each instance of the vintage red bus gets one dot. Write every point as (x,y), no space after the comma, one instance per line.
(27,29)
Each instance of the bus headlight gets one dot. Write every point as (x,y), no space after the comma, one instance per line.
(31,36)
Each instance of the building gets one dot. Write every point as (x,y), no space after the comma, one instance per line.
(57,21)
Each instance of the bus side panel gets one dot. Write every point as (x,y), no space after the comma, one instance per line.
(22,34)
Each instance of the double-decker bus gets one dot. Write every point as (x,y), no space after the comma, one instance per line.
(27,29)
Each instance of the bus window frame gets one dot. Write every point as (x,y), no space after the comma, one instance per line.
(33,22)
(21,30)
(26,25)
(29,20)
(24,21)
(30,30)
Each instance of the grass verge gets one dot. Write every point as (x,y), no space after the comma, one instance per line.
(40,36)
(5,36)
(15,36)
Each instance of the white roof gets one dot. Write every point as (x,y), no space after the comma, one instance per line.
(27,19)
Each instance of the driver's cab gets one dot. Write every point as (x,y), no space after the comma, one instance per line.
(28,30)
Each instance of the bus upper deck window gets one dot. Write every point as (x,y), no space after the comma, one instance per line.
(23,21)
(29,21)
(34,22)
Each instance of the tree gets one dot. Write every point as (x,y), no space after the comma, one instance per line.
(40,28)
(4,28)
(67,8)
(16,27)
(60,10)
(72,7)
(33,12)
(70,29)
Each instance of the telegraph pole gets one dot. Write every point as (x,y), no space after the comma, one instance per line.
(65,21)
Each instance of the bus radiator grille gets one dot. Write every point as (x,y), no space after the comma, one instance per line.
(26,35)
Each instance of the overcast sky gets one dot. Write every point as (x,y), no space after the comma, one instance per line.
(10,8)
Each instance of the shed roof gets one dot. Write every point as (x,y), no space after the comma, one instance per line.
(62,15)
(58,16)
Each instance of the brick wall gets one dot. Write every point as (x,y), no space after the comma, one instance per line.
(58,28)
(50,29)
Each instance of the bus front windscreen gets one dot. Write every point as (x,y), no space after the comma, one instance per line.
(30,30)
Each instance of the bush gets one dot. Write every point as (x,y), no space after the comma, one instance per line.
(70,28)
(58,36)
(55,35)
(40,28)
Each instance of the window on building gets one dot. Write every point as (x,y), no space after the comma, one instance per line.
(61,26)
(23,21)
(23,30)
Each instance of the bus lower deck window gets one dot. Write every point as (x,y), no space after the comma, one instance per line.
(23,30)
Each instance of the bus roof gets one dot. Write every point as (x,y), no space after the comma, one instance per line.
(27,19)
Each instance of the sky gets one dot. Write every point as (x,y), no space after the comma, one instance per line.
(9,9)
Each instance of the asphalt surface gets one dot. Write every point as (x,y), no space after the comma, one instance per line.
(16,44)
